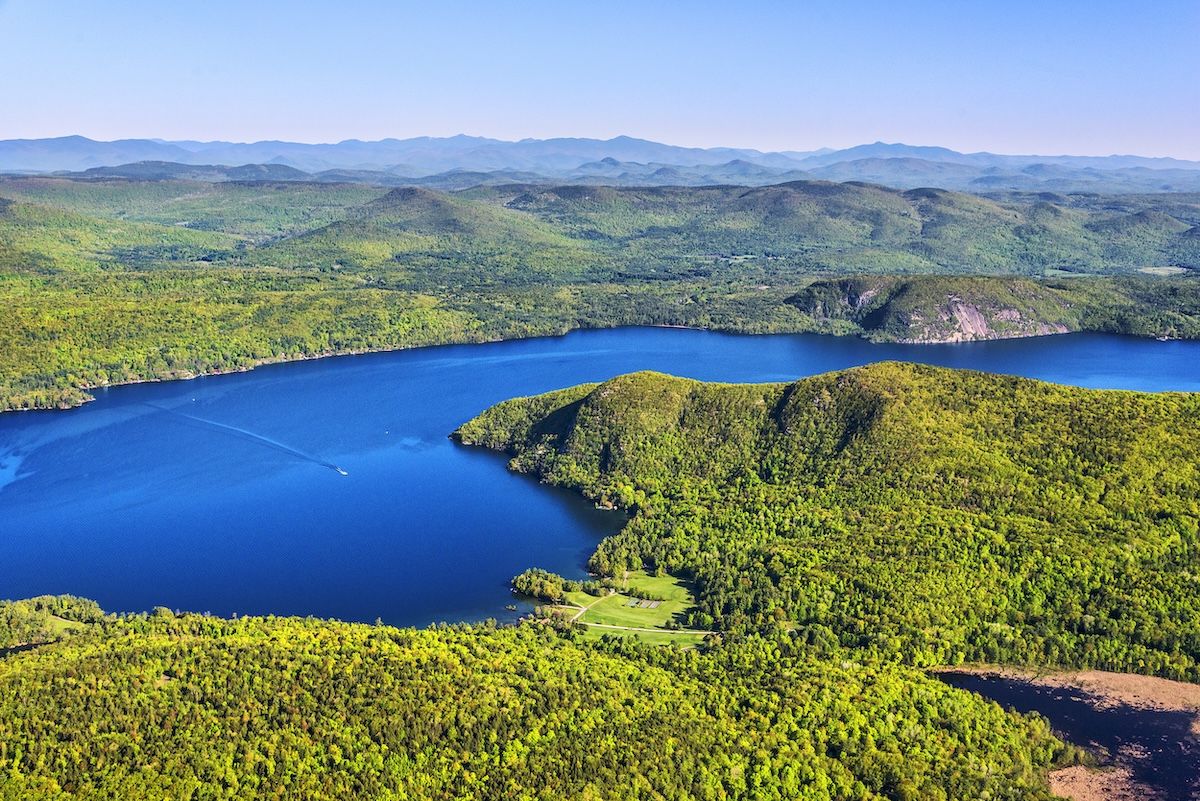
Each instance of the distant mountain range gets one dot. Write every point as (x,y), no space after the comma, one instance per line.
(462,161)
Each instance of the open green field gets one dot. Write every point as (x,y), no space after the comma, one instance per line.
(673,596)
(60,627)
(44,619)
(681,639)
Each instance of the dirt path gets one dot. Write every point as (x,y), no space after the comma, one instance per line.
(581,609)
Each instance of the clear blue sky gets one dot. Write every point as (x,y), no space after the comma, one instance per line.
(1049,77)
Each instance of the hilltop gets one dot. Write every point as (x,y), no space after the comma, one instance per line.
(461,161)
(110,279)
(926,309)
(923,514)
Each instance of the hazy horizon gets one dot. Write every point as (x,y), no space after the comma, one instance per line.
(290,140)
(1019,78)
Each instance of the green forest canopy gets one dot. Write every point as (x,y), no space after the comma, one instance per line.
(109,281)
(167,707)
(914,513)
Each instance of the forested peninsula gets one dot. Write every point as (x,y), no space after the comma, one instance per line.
(843,533)
(106,281)
(914,514)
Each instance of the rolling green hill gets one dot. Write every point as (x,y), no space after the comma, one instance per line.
(943,308)
(68,333)
(429,239)
(596,232)
(106,280)
(816,227)
(44,240)
(255,211)
(911,512)
(166,707)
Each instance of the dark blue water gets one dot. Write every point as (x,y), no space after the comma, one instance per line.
(222,494)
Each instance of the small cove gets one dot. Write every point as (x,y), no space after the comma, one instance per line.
(216,494)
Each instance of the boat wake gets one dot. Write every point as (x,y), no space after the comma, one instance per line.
(252,437)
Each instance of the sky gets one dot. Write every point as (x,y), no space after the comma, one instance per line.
(1011,76)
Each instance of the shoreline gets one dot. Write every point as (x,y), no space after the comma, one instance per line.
(266,362)
(272,360)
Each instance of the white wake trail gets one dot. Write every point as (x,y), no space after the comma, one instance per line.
(253,437)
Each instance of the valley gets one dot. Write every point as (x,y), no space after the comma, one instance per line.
(599,402)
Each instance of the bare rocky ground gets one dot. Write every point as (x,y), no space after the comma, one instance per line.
(1144,730)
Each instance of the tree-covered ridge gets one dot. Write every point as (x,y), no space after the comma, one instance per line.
(918,513)
(255,210)
(33,621)
(75,333)
(43,240)
(112,281)
(823,227)
(198,707)
(598,233)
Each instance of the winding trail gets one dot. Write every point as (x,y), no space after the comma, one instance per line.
(583,609)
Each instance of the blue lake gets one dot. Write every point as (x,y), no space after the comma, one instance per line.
(221,494)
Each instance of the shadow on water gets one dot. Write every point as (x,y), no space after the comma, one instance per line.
(1157,746)
(582,513)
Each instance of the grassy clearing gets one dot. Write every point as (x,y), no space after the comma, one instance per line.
(62,627)
(681,639)
(614,610)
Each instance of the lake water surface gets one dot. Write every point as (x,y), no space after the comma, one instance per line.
(223,494)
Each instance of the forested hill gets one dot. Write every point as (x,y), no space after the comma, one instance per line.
(918,513)
(167,707)
(109,281)
(658,232)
